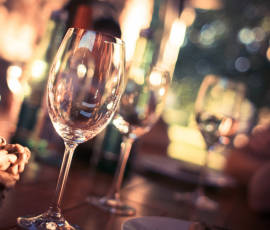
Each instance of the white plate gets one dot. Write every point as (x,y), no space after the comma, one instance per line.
(155,223)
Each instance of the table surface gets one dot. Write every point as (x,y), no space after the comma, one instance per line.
(149,193)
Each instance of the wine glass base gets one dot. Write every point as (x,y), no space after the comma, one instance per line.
(40,223)
(111,205)
(198,201)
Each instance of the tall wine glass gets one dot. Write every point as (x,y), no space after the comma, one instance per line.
(84,88)
(217,110)
(140,107)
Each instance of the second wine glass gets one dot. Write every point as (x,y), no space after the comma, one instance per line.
(140,107)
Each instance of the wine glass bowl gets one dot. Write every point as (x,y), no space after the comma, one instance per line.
(142,101)
(84,88)
(83,93)
(140,107)
(218,107)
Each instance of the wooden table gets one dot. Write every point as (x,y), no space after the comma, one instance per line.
(149,193)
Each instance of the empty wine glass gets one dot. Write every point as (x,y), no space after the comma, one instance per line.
(140,107)
(217,110)
(84,88)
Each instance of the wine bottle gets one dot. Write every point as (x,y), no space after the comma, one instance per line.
(38,68)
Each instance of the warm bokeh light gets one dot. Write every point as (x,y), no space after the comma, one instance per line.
(137,74)
(18,88)
(177,33)
(176,39)
(268,53)
(18,40)
(207,4)
(155,78)
(38,68)
(23,23)
(14,71)
(137,15)
(188,15)
(16,84)
(162,91)
(139,79)
(170,55)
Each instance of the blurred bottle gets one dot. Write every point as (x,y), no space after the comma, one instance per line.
(145,47)
(83,17)
(149,41)
(38,70)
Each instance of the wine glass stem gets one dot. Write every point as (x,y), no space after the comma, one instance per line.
(200,187)
(120,169)
(69,150)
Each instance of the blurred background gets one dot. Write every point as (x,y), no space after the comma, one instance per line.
(192,38)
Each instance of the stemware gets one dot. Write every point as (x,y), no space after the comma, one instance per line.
(140,107)
(85,85)
(217,110)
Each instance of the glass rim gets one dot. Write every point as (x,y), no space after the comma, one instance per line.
(118,40)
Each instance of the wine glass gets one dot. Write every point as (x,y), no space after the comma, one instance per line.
(140,107)
(84,88)
(217,110)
